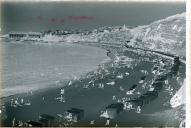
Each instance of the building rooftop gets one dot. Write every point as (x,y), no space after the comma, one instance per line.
(75,110)
(34,33)
(34,123)
(46,116)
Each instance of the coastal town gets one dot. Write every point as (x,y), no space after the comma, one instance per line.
(136,82)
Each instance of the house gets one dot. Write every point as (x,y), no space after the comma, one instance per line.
(74,114)
(34,35)
(46,120)
(17,36)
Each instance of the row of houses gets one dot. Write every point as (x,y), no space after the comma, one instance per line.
(25,36)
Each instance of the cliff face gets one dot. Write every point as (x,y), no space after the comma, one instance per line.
(166,35)
(180,97)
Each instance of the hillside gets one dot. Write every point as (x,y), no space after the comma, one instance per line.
(166,35)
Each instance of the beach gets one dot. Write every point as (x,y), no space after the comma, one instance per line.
(95,90)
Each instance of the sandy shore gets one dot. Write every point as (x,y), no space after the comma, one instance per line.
(93,98)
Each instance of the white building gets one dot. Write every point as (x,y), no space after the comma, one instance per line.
(21,36)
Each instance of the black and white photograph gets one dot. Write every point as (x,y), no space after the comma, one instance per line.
(93,64)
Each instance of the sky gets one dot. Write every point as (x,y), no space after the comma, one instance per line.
(42,16)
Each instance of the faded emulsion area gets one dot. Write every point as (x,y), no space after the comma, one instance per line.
(106,64)
(38,16)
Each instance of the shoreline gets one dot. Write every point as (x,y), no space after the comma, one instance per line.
(52,91)
(62,82)
(105,62)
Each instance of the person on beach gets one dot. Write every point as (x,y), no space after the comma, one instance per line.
(22,100)
(12,102)
(92,122)
(107,121)
(70,83)
(62,91)
(114,98)
(138,109)
(14,122)
(20,124)
(16,103)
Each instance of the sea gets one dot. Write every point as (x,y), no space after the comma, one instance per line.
(27,66)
